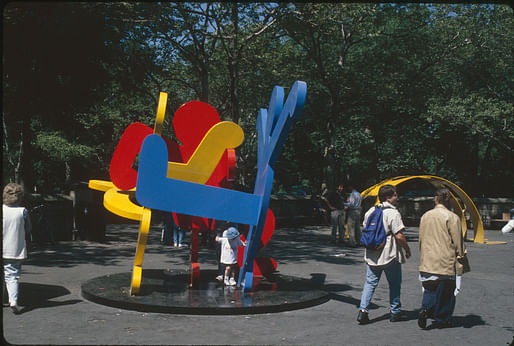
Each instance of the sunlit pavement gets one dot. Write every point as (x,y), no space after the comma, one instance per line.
(56,313)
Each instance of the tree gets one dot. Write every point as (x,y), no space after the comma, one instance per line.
(392,88)
(472,103)
(327,33)
(49,78)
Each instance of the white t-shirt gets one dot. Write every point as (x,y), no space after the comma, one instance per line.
(393,224)
(14,232)
(229,250)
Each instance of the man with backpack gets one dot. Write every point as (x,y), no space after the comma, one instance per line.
(386,256)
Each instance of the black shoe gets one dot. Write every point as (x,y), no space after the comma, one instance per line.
(397,317)
(362,318)
(422,319)
(16,309)
(440,325)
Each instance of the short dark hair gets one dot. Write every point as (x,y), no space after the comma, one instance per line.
(442,196)
(385,192)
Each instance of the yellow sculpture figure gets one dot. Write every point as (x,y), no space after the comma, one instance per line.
(223,135)
(198,169)
(478,226)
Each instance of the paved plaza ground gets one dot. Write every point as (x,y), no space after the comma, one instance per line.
(55,312)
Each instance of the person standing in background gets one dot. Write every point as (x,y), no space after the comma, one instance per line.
(353,213)
(335,202)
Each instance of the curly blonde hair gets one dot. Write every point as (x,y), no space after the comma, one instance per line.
(13,194)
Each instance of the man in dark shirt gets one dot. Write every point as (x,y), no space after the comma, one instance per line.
(335,202)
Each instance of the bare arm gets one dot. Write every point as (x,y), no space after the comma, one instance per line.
(330,206)
(400,238)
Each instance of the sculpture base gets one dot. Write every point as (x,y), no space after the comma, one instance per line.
(168,291)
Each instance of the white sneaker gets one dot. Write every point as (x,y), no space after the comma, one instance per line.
(232,282)
(175,244)
(227,283)
(219,278)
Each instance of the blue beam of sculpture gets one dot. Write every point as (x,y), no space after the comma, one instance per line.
(154,190)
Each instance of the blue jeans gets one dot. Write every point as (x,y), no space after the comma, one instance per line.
(178,235)
(393,272)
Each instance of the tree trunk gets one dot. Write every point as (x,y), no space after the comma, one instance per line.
(333,174)
(233,62)
(26,172)
(330,159)
(204,81)
(67,173)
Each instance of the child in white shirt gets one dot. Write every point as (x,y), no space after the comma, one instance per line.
(230,242)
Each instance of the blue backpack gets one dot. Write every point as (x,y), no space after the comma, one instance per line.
(374,235)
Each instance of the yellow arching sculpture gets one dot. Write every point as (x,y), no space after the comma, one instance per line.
(437,182)
(198,169)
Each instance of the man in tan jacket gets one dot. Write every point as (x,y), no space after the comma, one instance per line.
(442,253)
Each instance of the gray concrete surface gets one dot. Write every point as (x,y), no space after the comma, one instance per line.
(55,312)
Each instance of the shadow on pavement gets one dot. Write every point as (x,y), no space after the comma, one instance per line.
(467,321)
(35,296)
(348,300)
(311,243)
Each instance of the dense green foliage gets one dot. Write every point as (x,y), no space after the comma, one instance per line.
(392,89)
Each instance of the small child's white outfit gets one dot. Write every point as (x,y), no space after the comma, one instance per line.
(229,246)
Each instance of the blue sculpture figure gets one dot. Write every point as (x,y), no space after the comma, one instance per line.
(154,190)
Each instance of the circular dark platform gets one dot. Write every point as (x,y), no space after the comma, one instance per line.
(168,291)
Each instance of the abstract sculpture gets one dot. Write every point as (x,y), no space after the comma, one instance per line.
(193,179)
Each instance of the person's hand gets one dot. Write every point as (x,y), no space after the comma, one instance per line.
(407,253)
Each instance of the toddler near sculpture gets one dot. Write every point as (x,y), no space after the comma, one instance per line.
(183,187)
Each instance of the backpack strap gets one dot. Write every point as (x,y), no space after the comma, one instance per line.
(384,207)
